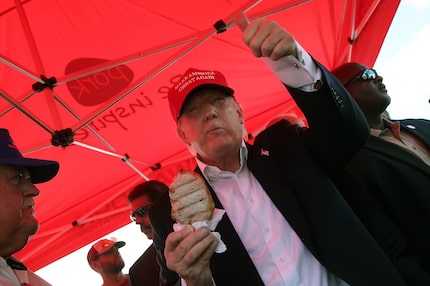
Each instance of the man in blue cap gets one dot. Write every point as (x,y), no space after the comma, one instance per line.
(17,222)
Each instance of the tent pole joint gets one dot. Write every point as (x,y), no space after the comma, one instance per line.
(125,158)
(156,166)
(220,26)
(47,83)
(63,137)
(352,40)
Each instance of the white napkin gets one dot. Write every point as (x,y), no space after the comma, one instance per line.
(211,224)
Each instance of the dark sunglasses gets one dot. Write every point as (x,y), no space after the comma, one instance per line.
(140,212)
(367,74)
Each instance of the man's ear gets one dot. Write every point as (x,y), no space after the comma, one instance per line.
(240,114)
(181,134)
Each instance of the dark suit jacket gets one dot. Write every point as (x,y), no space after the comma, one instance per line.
(145,271)
(389,189)
(295,176)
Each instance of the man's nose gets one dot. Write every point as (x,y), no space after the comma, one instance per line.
(210,114)
(31,190)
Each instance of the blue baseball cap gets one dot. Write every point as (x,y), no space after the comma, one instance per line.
(40,170)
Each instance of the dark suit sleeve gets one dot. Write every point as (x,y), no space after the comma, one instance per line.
(131,279)
(337,126)
(159,215)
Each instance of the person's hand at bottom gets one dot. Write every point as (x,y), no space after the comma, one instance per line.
(188,253)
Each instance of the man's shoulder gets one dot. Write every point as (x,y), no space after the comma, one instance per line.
(145,271)
(149,256)
(418,121)
(418,127)
(281,130)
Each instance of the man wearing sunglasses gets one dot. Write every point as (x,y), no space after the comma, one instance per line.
(388,182)
(145,270)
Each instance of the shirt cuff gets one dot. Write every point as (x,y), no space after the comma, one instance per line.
(301,72)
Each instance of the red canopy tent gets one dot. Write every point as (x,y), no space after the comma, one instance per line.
(85,82)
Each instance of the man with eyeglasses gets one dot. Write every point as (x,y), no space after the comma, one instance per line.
(17,221)
(104,258)
(387,183)
(145,270)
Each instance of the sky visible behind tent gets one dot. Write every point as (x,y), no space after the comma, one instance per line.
(404,62)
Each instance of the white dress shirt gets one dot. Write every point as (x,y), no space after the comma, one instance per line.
(7,276)
(278,254)
(14,277)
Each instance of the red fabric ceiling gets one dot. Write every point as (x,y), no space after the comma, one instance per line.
(103,68)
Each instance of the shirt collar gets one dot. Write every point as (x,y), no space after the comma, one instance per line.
(389,126)
(14,263)
(212,172)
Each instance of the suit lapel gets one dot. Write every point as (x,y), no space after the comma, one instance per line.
(245,271)
(393,151)
(418,128)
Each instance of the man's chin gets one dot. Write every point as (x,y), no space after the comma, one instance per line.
(148,233)
(149,236)
(31,226)
(22,236)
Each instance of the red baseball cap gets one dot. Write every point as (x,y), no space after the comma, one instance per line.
(192,80)
(101,247)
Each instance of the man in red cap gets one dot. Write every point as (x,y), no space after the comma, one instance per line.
(17,222)
(104,258)
(283,222)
